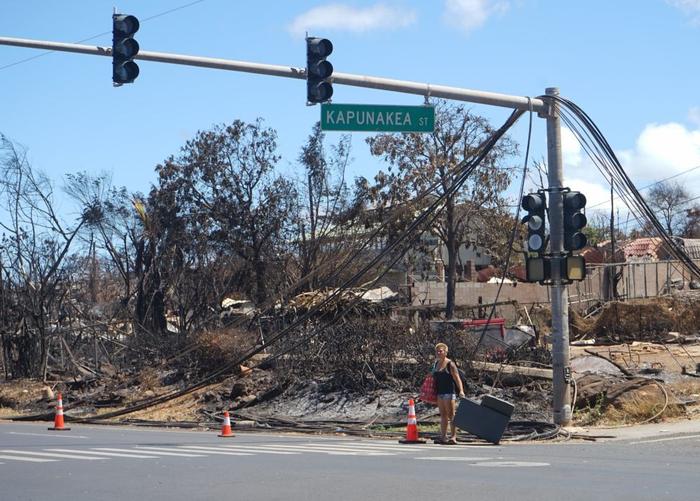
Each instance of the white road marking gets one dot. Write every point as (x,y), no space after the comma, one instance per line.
(97,452)
(452,458)
(49,454)
(44,434)
(328,449)
(214,450)
(31,460)
(163,451)
(664,439)
(254,449)
(387,447)
(510,464)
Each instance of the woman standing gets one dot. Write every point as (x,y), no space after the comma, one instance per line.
(449,385)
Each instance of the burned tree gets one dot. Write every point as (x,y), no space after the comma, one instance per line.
(34,246)
(420,160)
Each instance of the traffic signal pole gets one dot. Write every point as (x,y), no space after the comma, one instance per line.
(561,369)
(406,87)
(548,110)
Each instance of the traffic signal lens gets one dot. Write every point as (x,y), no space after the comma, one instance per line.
(532,202)
(535,223)
(127,72)
(127,48)
(320,47)
(125,25)
(535,243)
(321,70)
(321,92)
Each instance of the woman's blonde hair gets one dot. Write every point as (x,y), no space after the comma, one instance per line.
(441,345)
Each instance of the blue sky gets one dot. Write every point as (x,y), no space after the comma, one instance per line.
(630,64)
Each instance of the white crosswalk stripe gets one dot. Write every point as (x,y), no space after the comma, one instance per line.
(29,460)
(384,446)
(240,448)
(50,454)
(332,450)
(215,450)
(98,452)
(350,447)
(167,451)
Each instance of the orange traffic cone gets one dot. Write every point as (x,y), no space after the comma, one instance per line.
(412,426)
(58,423)
(226,427)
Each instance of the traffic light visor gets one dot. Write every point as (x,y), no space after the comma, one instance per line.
(126,48)
(319,47)
(532,202)
(126,72)
(125,25)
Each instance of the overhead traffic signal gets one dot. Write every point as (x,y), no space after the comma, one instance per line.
(318,70)
(574,220)
(535,205)
(124,48)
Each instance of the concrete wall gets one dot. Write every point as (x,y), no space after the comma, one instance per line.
(639,280)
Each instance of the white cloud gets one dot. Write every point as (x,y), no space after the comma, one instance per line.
(468,15)
(345,18)
(661,151)
(694,115)
(690,8)
(571,152)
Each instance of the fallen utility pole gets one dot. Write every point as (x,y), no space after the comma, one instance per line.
(546,109)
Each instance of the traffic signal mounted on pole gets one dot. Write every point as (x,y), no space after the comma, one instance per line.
(124,48)
(574,220)
(318,70)
(535,204)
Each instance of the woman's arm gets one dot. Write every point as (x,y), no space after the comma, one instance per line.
(456,378)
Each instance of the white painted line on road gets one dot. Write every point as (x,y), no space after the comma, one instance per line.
(31,460)
(49,454)
(321,448)
(511,464)
(213,450)
(686,437)
(359,450)
(162,451)
(251,449)
(127,451)
(110,454)
(44,434)
(451,458)
(385,447)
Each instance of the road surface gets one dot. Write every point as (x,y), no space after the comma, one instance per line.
(122,463)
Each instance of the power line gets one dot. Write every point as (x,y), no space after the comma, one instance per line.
(100,34)
(652,184)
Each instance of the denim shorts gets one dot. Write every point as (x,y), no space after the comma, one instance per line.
(447,396)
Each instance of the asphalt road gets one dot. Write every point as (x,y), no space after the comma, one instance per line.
(108,463)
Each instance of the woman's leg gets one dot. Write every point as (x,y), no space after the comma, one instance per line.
(444,411)
(452,409)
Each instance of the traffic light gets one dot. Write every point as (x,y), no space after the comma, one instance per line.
(124,48)
(535,205)
(574,220)
(318,70)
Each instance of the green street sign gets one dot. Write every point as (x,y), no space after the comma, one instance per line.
(377,118)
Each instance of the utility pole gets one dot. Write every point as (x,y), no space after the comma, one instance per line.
(561,369)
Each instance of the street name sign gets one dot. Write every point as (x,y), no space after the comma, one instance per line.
(377,118)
